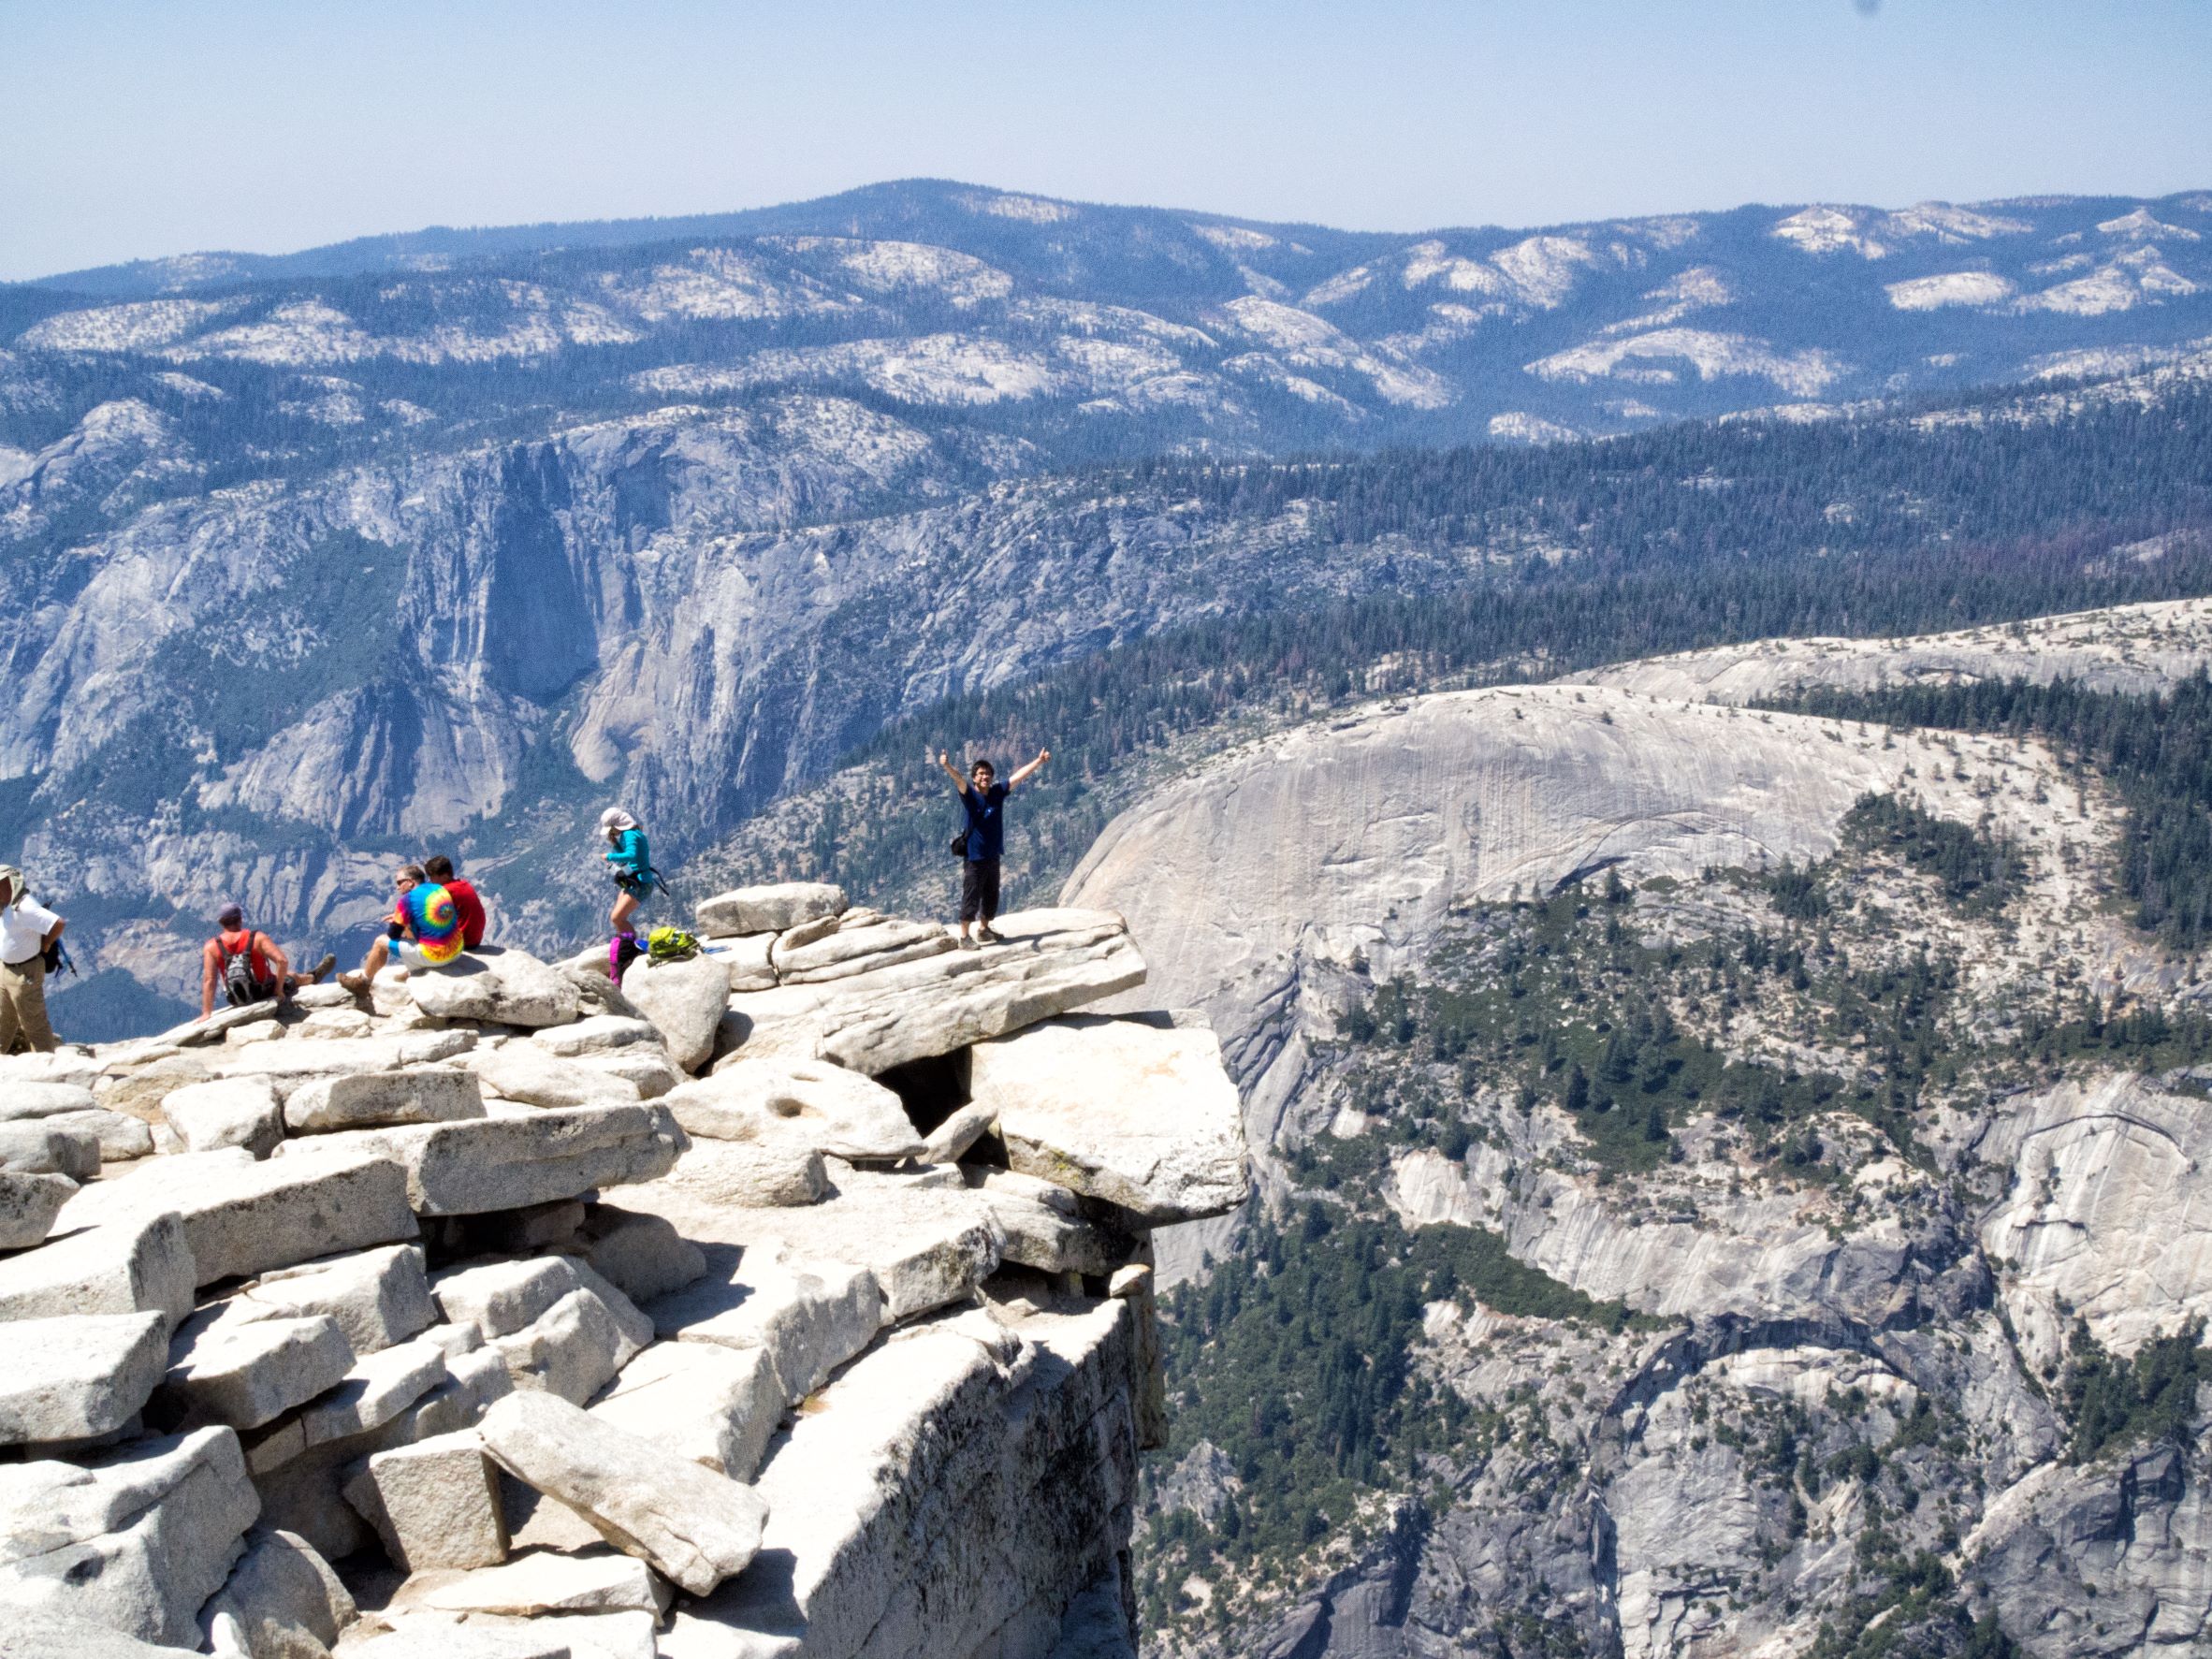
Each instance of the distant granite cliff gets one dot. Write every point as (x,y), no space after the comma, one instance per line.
(1789,1147)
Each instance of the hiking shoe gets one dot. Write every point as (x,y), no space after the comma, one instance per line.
(989,938)
(968,944)
(322,968)
(354,980)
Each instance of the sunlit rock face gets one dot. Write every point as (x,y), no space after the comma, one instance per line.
(598,1375)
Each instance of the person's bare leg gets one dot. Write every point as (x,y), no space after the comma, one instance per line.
(625,908)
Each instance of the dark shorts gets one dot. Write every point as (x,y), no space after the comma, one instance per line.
(262,991)
(979,889)
(635,886)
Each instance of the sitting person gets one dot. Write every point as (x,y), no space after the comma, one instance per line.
(473,919)
(396,932)
(248,965)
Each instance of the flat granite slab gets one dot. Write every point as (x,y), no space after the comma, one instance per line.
(927,1241)
(245,1218)
(1138,1111)
(468,1167)
(1051,961)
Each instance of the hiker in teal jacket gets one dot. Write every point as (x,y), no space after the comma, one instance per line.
(634,875)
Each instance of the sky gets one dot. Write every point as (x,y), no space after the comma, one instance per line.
(135,128)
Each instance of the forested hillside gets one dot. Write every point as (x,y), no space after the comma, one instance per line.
(699,612)
(451,539)
(1664,543)
(2154,752)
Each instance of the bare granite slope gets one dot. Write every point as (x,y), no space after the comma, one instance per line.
(1283,863)
(2134,648)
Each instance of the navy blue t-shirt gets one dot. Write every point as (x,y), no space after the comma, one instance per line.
(986,822)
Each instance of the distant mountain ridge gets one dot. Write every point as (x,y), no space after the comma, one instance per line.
(875,210)
(1127,330)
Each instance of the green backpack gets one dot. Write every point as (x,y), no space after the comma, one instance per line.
(670,944)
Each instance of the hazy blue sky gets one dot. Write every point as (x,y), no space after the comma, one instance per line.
(131,129)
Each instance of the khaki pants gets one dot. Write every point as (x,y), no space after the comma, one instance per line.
(22,1007)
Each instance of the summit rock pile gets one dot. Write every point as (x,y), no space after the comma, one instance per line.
(472,1319)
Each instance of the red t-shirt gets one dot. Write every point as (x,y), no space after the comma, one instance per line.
(471,912)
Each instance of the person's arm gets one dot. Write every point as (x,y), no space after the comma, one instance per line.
(55,931)
(207,979)
(959,783)
(1023,774)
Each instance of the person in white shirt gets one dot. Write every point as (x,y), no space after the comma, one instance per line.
(27,932)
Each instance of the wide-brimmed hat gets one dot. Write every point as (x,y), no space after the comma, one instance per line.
(11,883)
(614,818)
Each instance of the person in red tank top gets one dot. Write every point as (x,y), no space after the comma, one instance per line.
(267,970)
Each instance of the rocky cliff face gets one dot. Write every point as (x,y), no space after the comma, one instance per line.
(1281,865)
(1904,1266)
(238,693)
(250,650)
(508,1310)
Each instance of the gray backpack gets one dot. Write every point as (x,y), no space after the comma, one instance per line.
(241,986)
